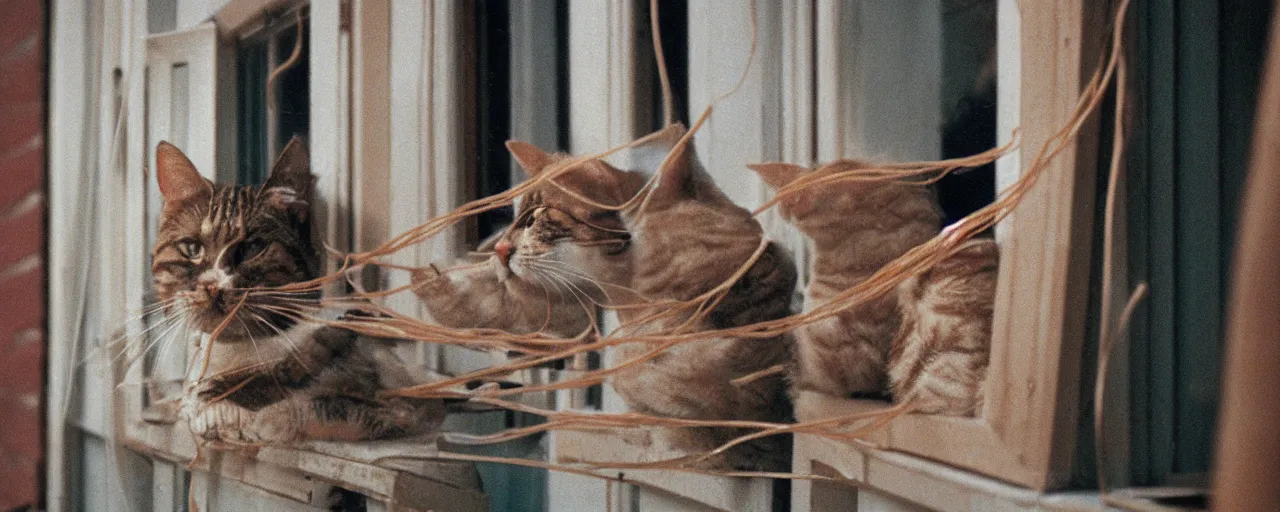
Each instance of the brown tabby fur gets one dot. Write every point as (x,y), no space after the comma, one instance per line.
(685,239)
(269,379)
(927,343)
(537,290)
(478,295)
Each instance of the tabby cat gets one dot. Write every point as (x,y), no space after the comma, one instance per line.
(481,295)
(683,240)
(926,344)
(521,294)
(268,379)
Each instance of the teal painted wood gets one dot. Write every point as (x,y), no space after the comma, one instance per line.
(1197,69)
(1200,242)
(1159,403)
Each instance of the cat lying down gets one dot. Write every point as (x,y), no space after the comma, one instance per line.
(268,378)
(324,389)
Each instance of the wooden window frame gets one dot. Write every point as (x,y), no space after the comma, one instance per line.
(1026,431)
(286,477)
(602,38)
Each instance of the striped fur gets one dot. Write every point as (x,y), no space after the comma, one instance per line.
(685,239)
(927,343)
(269,378)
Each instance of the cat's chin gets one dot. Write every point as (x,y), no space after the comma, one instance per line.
(501,270)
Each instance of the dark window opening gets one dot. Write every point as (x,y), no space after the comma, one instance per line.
(673,24)
(263,132)
(969,100)
(493,111)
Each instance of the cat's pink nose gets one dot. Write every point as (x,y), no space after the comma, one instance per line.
(503,248)
(211,289)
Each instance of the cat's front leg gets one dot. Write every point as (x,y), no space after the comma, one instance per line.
(474,296)
(455,300)
(349,418)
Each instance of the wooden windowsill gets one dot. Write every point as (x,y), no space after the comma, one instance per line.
(937,486)
(718,492)
(300,473)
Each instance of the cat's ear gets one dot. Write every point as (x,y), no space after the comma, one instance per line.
(675,177)
(777,174)
(530,158)
(289,185)
(177,177)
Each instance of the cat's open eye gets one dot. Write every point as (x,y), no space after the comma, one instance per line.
(190,249)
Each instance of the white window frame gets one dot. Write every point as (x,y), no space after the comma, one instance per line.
(146,460)
(753,125)
(1023,437)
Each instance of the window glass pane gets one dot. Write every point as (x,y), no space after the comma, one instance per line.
(292,88)
(968,102)
(252,147)
(921,80)
(1184,185)
(264,131)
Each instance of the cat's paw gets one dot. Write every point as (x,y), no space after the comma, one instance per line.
(428,281)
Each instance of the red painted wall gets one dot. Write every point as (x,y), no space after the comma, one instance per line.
(23,39)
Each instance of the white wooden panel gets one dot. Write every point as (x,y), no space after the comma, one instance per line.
(1008,97)
(431,146)
(223,494)
(879,80)
(667,502)
(68,54)
(167,492)
(601,74)
(533,75)
(329,137)
(194,12)
(371,122)
(197,50)
(770,117)
(745,127)
(567,491)
(408,201)
(67,118)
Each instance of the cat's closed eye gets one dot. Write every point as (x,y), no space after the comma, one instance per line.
(248,250)
(190,249)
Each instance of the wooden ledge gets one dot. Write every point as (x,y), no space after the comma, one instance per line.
(305,472)
(719,492)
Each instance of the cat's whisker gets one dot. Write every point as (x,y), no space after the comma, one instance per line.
(578,294)
(590,310)
(547,285)
(565,275)
(292,306)
(291,346)
(160,342)
(125,335)
(542,283)
(126,338)
(296,315)
(566,269)
(256,349)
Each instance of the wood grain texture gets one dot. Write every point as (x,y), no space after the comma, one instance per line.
(1245,466)
(1027,429)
